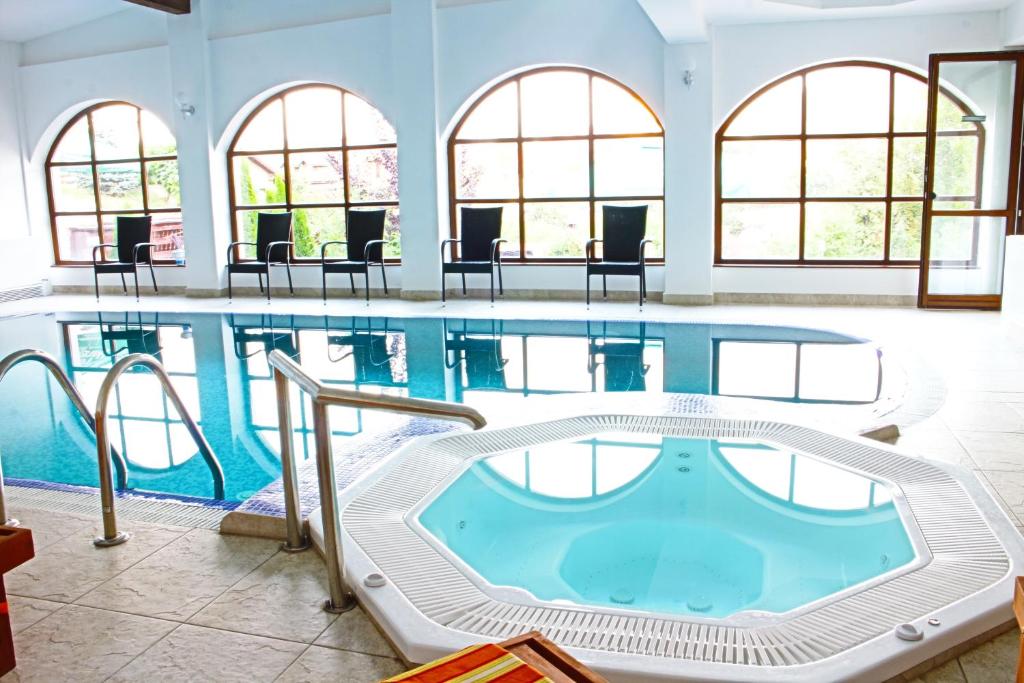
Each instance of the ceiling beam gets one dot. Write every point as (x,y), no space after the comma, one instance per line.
(678,21)
(169,6)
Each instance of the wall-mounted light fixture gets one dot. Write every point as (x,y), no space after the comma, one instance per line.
(689,73)
(184,107)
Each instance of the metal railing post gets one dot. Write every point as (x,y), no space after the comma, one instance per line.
(296,535)
(342,599)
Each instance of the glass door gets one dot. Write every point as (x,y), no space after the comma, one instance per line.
(972,172)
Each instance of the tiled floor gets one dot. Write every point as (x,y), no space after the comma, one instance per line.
(180,604)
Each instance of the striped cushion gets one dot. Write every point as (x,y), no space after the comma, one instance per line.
(477,664)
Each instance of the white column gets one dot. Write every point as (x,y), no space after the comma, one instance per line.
(414,59)
(203,185)
(689,175)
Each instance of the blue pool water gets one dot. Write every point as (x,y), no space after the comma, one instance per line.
(218,364)
(669,525)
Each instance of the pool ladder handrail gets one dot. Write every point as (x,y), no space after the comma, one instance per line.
(322,397)
(111,536)
(65,383)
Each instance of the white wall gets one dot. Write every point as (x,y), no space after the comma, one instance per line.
(20,261)
(255,47)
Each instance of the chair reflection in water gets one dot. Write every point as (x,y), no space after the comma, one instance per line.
(368,348)
(129,336)
(479,353)
(622,358)
(266,335)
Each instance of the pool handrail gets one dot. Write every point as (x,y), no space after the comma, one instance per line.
(111,536)
(65,383)
(286,370)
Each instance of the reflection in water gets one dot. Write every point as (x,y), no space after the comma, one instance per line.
(218,364)
(699,526)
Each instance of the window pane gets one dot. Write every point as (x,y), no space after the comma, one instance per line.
(953,238)
(74,146)
(775,112)
(76,236)
(72,188)
(116,131)
(314,117)
(364,124)
(556,229)
(761,169)
(317,178)
(509,226)
(168,233)
(486,170)
(556,169)
(905,238)
(120,186)
(950,115)
(162,188)
(496,116)
(846,168)
(259,179)
(373,175)
(655,225)
(910,113)
(908,167)
(616,110)
(760,231)
(313,227)
(956,165)
(629,167)
(157,139)
(844,230)
(848,99)
(757,369)
(265,131)
(555,103)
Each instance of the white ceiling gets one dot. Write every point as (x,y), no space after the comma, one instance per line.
(22,20)
(687,20)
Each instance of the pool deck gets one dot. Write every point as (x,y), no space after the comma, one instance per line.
(178,604)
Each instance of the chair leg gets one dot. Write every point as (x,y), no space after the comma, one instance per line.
(442,288)
(588,289)
(604,286)
(366,279)
(153,276)
(501,283)
(124,285)
(268,283)
(640,293)
(96,281)
(384,278)
(323,284)
(288,269)
(229,284)
(352,282)
(135,274)
(260,276)
(463,284)
(492,286)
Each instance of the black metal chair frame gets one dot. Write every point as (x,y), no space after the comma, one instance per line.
(120,267)
(358,266)
(267,262)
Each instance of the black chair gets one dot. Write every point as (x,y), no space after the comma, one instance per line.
(363,248)
(624,244)
(478,248)
(133,249)
(273,247)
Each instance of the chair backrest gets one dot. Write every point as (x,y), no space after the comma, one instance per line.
(273,227)
(624,229)
(480,227)
(132,230)
(363,227)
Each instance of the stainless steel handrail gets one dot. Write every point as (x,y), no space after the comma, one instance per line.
(285,370)
(111,536)
(51,364)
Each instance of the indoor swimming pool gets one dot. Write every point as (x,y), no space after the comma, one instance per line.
(218,365)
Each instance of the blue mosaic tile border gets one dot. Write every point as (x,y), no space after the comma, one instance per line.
(129,494)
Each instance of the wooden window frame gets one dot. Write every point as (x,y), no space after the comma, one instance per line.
(519,139)
(285,152)
(803,199)
(142,159)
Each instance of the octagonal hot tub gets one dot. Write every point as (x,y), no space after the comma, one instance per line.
(678,547)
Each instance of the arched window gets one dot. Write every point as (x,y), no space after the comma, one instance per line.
(113,159)
(317,151)
(826,165)
(552,146)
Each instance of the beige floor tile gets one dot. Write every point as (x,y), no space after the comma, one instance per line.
(933,440)
(27,611)
(80,644)
(1009,490)
(183,577)
(994,450)
(321,664)
(50,527)
(354,631)
(981,416)
(994,661)
(66,570)
(281,599)
(193,653)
